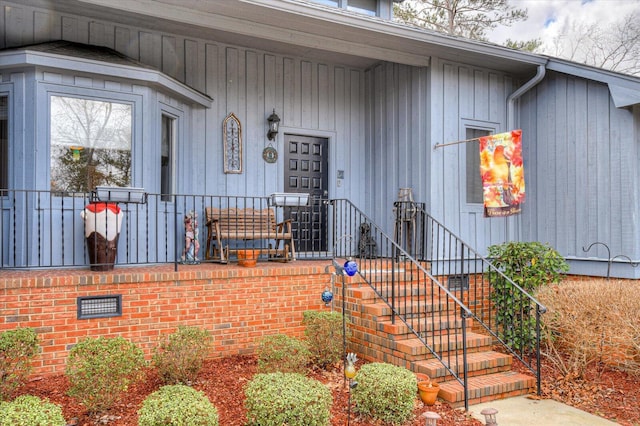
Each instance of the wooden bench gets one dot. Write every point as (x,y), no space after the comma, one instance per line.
(247,224)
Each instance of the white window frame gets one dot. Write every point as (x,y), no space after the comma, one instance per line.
(173,143)
(132,99)
(468,124)
(7,90)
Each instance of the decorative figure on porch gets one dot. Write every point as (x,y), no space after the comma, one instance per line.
(366,245)
(405,210)
(191,243)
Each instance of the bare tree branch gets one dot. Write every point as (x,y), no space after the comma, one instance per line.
(466,18)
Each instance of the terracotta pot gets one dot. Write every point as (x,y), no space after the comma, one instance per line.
(248,258)
(428,392)
(421,377)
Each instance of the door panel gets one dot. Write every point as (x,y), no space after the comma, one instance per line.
(306,172)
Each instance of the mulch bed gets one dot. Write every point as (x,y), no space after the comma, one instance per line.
(605,392)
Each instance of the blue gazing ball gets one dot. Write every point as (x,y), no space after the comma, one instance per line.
(350,267)
(327,296)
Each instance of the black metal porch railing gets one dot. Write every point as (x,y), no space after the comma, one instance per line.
(431,271)
(42,229)
(434,284)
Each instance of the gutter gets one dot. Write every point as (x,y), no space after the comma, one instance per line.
(511,100)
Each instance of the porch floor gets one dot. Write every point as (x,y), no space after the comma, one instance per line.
(271,267)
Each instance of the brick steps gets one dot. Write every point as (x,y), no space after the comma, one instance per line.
(477,363)
(442,344)
(424,325)
(437,321)
(413,307)
(487,388)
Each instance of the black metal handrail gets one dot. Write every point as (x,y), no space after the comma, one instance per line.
(474,278)
(433,283)
(415,297)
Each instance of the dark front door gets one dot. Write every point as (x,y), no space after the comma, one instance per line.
(306,171)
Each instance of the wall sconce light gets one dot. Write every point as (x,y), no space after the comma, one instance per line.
(490,416)
(274,124)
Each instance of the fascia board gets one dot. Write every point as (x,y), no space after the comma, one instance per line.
(624,96)
(385,40)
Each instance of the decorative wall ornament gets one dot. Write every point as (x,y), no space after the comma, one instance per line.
(232,140)
(270,154)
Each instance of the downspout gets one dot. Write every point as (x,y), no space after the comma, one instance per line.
(511,111)
(511,100)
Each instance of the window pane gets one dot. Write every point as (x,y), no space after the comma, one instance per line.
(474,181)
(327,2)
(166,147)
(90,144)
(4,142)
(367,7)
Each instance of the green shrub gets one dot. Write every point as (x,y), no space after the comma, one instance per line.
(290,399)
(100,369)
(282,353)
(18,347)
(180,355)
(324,336)
(385,392)
(177,405)
(529,265)
(29,410)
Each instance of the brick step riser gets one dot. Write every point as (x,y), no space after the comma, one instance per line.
(482,389)
(379,266)
(415,290)
(376,353)
(471,372)
(417,353)
(492,397)
(421,356)
(399,331)
(415,308)
(436,371)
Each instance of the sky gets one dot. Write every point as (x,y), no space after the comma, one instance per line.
(547,18)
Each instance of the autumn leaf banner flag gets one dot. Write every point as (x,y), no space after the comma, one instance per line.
(502,173)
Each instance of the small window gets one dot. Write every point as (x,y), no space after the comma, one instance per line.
(367,7)
(327,2)
(166,157)
(472,154)
(90,144)
(4,142)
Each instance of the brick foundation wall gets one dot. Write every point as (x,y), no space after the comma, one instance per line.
(237,305)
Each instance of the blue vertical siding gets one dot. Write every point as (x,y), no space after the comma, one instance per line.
(582,176)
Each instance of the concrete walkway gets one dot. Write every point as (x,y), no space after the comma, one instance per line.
(523,411)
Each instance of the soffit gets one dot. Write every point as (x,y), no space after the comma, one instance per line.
(299,28)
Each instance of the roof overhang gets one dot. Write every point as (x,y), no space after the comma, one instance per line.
(300,28)
(624,89)
(72,56)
